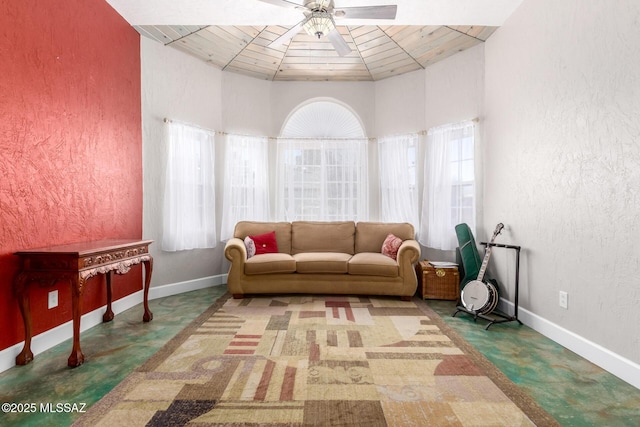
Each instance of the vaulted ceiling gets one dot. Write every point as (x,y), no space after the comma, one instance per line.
(377,52)
(235,35)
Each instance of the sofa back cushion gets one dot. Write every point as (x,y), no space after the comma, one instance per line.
(252,228)
(370,235)
(312,236)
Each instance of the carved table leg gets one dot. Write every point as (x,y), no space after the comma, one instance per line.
(108,315)
(25,355)
(148,269)
(76,358)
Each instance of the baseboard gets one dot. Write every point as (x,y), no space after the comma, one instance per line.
(59,334)
(617,365)
(186,286)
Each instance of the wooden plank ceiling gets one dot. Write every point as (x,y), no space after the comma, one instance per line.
(378,52)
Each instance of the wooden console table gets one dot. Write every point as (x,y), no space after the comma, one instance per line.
(76,263)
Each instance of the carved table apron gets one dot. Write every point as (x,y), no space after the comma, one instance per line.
(76,263)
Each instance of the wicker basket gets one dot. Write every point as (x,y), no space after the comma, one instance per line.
(438,283)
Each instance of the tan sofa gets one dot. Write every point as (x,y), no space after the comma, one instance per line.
(324,258)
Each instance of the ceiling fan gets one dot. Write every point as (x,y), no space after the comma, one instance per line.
(319,20)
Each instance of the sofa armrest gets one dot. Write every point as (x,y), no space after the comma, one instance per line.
(236,252)
(409,252)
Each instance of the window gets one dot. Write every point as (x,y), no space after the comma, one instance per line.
(462,179)
(449,188)
(322,119)
(398,192)
(322,180)
(322,165)
(246,182)
(189,194)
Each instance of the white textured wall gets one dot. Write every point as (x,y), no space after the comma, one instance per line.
(563,162)
(400,104)
(246,105)
(179,87)
(454,88)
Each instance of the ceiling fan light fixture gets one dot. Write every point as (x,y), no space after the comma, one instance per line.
(318,24)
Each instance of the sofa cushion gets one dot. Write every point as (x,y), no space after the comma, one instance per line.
(373,264)
(336,236)
(270,263)
(322,262)
(390,246)
(265,243)
(370,235)
(250,245)
(282,229)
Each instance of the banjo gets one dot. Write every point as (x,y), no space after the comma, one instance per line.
(478,296)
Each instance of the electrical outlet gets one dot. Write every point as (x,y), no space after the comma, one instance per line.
(53,299)
(564,299)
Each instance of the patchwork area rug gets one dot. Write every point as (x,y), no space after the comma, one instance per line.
(317,360)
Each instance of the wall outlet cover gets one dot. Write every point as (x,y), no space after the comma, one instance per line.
(53,299)
(564,300)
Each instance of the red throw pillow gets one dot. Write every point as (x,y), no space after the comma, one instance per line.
(265,243)
(391,245)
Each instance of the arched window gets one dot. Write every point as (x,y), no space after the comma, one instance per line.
(322,165)
(322,119)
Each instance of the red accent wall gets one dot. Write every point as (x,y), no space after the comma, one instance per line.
(70,144)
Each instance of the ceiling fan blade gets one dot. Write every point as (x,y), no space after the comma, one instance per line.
(284,3)
(338,42)
(287,36)
(367,12)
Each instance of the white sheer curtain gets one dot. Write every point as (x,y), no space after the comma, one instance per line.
(322,179)
(449,188)
(246,182)
(398,193)
(189,194)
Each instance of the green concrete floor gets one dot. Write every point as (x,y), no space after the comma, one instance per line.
(112,351)
(571,389)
